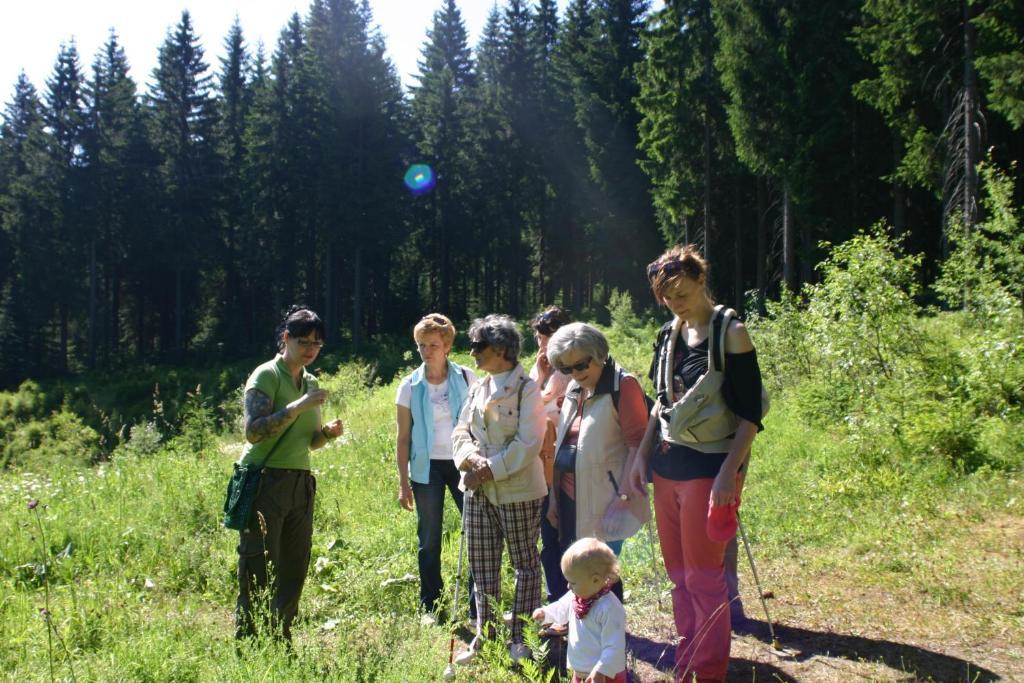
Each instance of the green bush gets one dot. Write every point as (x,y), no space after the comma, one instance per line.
(59,440)
(860,356)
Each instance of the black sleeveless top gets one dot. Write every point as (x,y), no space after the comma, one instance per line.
(741,391)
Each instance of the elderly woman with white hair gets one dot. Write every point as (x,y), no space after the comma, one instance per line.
(601,424)
(496,446)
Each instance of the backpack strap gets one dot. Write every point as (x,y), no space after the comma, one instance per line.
(620,375)
(720,321)
(617,385)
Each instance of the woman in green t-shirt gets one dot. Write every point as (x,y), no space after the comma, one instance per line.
(282,424)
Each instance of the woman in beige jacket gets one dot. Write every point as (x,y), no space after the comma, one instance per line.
(496,447)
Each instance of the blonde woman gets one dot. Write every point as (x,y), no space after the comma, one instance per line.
(428,405)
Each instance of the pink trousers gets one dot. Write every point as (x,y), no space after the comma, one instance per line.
(695,566)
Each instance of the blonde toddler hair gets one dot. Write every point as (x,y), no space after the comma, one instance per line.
(593,556)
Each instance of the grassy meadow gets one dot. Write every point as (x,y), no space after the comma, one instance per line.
(884,502)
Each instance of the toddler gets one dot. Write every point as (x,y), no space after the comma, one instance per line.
(596,618)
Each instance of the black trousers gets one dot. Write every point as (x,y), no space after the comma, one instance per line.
(273,558)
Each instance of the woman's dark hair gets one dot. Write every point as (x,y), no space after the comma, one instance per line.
(500,332)
(549,320)
(299,321)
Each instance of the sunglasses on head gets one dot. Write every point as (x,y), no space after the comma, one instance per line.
(575,367)
(436,319)
(478,346)
(548,323)
(669,267)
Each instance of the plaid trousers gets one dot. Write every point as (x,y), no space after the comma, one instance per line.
(488,528)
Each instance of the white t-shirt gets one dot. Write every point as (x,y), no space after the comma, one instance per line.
(441,449)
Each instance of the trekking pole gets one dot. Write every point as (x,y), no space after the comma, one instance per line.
(449,671)
(757,582)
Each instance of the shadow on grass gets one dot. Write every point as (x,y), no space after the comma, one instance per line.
(661,655)
(923,664)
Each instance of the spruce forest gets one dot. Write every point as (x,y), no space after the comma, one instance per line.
(849,168)
(568,151)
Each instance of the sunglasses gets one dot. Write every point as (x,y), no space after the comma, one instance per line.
(576,367)
(478,346)
(436,319)
(670,267)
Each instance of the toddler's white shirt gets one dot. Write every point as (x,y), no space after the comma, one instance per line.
(597,639)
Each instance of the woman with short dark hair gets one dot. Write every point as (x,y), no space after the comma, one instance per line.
(282,424)
(552,386)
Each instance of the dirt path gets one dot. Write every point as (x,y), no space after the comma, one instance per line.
(941,621)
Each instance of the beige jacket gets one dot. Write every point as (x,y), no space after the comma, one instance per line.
(599,450)
(508,434)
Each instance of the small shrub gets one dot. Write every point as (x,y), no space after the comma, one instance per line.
(58,440)
(144,440)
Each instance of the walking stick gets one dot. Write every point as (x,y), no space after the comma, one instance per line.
(757,582)
(449,671)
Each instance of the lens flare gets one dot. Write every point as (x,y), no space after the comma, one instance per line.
(420,179)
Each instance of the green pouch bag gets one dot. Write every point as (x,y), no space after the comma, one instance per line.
(242,488)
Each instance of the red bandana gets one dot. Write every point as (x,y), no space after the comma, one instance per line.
(583,605)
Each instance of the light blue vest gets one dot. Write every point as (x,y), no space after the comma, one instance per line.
(423,417)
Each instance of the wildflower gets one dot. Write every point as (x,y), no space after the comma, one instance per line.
(263,523)
(33,504)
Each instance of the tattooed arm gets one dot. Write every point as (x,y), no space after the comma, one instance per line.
(262,423)
(260,420)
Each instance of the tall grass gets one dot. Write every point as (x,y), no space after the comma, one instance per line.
(141,577)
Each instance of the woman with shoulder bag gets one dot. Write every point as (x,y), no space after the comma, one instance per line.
(708,417)
(600,427)
(282,424)
(497,443)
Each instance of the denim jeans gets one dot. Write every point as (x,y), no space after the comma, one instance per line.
(429,499)
(551,556)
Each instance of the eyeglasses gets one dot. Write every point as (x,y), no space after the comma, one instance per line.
(576,367)
(670,267)
(436,319)
(478,346)
(310,343)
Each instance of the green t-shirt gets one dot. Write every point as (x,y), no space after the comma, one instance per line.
(290,448)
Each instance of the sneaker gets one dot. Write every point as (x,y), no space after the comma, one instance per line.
(519,652)
(469,654)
